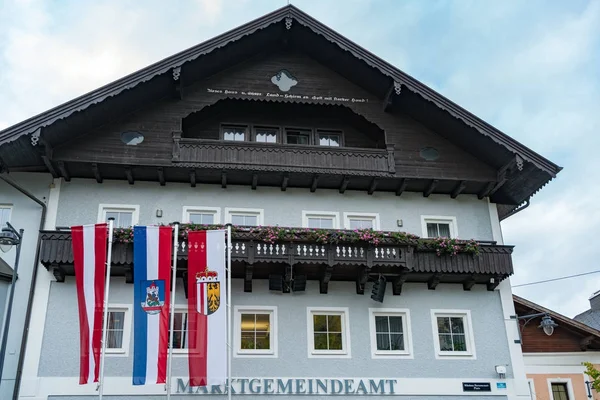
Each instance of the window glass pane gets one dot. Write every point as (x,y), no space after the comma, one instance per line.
(262,322)
(395,324)
(247,341)
(457,325)
(445,342)
(366,223)
(180,330)
(444,230)
(383,341)
(397,341)
(114,334)
(559,391)
(381,325)
(248,322)
(334,323)
(235,133)
(250,220)
(262,341)
(266,135)
(202,218)
(237,219)
(443,324)
(335,341)
(244,220)
(320,323)
(320,223)
(329,140)
(297,137)
(459,342)
(320,341)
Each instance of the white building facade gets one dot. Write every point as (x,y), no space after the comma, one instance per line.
(291,138)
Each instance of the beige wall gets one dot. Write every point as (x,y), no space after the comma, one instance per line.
(577,390)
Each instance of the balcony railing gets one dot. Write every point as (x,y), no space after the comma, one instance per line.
(408,262)
(204,153)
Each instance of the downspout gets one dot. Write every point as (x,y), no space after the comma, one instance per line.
(33,279)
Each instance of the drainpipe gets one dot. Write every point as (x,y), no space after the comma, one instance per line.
(33,279)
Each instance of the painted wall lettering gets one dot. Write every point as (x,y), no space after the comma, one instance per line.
(296,386)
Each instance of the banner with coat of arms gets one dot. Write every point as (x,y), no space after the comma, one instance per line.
(207,320)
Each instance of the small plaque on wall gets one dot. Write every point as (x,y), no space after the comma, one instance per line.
(477,387)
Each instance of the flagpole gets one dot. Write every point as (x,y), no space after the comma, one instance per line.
(172,310)
(111,222)
(229,341)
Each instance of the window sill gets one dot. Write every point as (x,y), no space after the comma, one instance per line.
(328,354)
(255,354)
(116,353)
(455,355)
(392,355)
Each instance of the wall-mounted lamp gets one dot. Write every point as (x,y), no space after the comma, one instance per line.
(547,323)
(158,213)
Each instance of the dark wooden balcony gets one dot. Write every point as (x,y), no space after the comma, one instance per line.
(255,259)
(253,156)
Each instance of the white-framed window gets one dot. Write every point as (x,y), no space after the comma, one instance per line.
(125,215)
(202,215)
(328,332)
(118,330)
(5,212)
(244,216)
(361,221)
(560,389)
(390,333)
(180,333)
(436,226)
(453,333)
(321,219)
(255,331)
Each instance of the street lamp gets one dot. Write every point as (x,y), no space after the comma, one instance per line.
(9,237)
(547,323)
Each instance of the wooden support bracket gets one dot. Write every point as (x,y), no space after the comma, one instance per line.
(325,278)
(458,189)
(344,184)
(96,171)
(401,186)
(249,269)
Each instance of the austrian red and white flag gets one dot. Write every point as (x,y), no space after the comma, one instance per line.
(207,313)
(89,257)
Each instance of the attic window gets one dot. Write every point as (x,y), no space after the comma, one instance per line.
(132,138)
(429,153)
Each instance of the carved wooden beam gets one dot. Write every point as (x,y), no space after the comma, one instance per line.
(401,186)
(161,176)
(223,179)
(63,170)
(58,272)
(178,80)
(468,283)
(430,188)
(254,181)
(96,171)
(315,180)
(284,182)
(387,100)
(193,178)
(129,174)
(344,184)
(493,283)
(129,275)
(325,278)
(45,152)
(361,280)
(372,186)
(486,190)
(249,269)
(397,283)
(434,281)
(287,279)
(458,189)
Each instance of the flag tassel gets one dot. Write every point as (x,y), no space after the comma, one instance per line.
(100,387)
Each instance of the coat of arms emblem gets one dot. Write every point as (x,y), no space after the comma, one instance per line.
(154,298)
(208,289)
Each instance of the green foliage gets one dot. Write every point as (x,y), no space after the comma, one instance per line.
(274,234)
(594,375)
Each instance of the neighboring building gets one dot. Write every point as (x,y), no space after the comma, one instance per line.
(284,122)
(23,213)
(554,362)
(591,317)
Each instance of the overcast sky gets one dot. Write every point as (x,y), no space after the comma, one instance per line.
(530,68)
